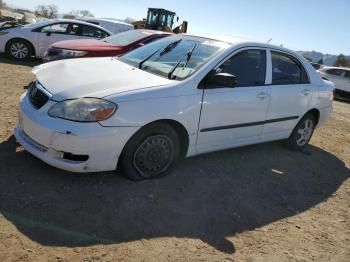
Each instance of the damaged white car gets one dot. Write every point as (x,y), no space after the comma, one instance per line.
(180,96)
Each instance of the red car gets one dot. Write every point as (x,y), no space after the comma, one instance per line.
(114,45)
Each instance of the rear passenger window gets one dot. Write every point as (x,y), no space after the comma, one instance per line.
(347,74)
(73,29)
(287,70)
(249,67)
(93,32)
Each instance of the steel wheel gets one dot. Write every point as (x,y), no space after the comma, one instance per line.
(154,155)
(19,50)
(304,132)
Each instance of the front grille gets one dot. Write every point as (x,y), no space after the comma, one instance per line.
(37,97)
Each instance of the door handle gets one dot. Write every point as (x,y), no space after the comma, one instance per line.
(306,92)
(262,95)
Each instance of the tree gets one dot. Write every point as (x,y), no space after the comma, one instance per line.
(320,61)
(342,61)
(129,20)
(86,13)
(76,13)
(68,16)
(308,58)
(48,11)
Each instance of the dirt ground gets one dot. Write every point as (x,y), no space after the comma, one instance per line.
(257,203)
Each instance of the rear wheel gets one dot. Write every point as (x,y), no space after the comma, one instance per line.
(19,49)
(302,133)
(150,153)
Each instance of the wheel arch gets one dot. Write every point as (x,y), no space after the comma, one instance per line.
(179,129)
(22,39)
(316,113)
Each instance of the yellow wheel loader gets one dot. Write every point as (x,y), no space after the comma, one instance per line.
(161,19)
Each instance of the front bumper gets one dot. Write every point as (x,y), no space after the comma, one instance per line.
(50,138)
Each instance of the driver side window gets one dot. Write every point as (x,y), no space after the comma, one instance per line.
(248,66)
(55,28)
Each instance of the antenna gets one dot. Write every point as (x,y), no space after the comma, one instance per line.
(268,41)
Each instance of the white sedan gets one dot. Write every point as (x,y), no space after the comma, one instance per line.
(179,96)
(22,42)
(339,76)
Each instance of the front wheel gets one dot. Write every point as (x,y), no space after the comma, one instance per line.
(150,153)
(19,49)
(302,133)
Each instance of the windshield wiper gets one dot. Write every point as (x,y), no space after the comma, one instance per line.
(169,47)
(189,54)
(164,51)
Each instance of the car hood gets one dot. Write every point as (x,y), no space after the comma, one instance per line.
(86,45)
(93,77)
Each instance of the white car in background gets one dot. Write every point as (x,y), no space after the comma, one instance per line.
(22,42)
(182,95)
(340,76)
(113,25)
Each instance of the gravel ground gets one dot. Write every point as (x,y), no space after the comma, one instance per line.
(256,203)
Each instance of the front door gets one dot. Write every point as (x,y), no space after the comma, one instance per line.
(235,116)
(56,32)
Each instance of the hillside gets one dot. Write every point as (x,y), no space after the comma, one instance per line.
(328,59)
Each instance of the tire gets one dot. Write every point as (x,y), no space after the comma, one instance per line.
(302,132)
(150,153)
(19,49)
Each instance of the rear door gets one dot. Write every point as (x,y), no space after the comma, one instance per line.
(235,116)
(291,93)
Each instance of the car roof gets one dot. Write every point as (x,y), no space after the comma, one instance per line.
(57,20)
(244,41)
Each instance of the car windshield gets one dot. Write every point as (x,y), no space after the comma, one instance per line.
(127,37)
(175,57)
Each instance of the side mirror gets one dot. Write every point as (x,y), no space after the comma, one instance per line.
(218,80)
(49,31)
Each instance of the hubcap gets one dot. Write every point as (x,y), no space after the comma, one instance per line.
(19,50)
(304,132)
(154,155)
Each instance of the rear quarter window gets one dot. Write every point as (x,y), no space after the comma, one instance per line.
(90,31)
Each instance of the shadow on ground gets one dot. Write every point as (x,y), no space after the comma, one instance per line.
(30,62)
(209,197)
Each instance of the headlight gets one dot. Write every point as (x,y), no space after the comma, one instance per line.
(71,53)
(3,33)
(83,109)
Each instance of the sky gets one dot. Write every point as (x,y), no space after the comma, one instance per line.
(320,25)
